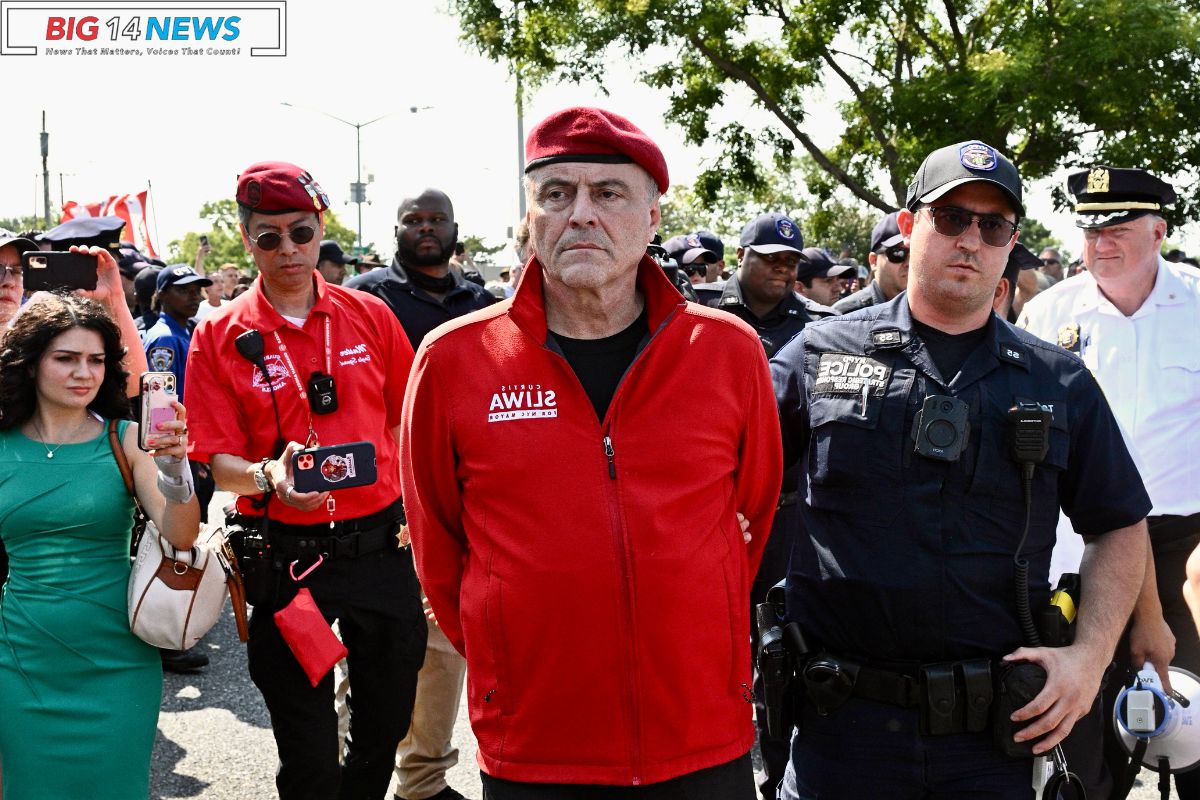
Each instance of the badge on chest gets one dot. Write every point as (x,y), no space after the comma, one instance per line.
(851,375)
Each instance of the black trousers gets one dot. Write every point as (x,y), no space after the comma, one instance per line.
(377,604)
(771,570)
(1102,767)
(731,781)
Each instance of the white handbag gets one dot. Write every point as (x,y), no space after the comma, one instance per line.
(176,596)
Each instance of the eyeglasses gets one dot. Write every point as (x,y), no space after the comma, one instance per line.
(1049,261)
(13,271)
(994,229)
(896,255)
(301,234)
(694,269)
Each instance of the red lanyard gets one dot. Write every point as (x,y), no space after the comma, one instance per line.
(287,357)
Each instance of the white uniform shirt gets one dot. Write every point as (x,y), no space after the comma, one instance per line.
(1148,365)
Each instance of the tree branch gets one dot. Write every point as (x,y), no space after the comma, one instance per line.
(958,37)
(890,156)
(738,73)
(881,73)
(945,60)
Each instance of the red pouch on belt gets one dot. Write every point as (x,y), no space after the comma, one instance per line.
(306,632)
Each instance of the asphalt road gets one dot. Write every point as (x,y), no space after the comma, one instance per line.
(214,737)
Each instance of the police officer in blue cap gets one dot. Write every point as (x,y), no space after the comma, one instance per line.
(889,267)
(970,435)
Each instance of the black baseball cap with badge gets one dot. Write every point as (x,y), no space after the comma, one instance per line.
(1107,196)
(709,241)
(687,249)
(180,275)
(954,165)
(772,233)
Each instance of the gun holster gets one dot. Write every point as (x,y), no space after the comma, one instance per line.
(829,682)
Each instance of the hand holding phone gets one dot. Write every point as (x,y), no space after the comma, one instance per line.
(339,466)
(158,395)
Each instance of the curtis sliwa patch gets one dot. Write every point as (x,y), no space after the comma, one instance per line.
(846,374)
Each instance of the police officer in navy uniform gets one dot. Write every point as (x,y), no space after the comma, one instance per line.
(889,266)
(419,286)
(905,593)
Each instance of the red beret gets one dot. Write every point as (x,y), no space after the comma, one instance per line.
(595,135)
(275,187)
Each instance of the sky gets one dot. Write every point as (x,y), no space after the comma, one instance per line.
(187,125)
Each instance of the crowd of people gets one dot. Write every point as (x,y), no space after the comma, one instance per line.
(540,525)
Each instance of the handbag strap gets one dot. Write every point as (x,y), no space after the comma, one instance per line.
(118,450)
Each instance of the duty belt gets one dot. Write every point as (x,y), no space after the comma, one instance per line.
(952,697)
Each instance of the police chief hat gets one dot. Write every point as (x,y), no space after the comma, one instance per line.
(819,263)
(86,232)
(886,233)
(954,165)
(332,251)
(21,243)
(1020,258)
(1107,196)
(772,233)
(682,249)
(596,136)
(179,275)
(709,241)
(277,187)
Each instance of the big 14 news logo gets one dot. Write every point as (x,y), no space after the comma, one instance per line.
(166,29)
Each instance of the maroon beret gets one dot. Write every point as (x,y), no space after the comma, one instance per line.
(276,187)
(595,135)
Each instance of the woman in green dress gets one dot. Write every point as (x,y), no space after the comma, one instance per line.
(79,694)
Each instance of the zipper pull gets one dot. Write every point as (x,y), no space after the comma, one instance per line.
(608,451)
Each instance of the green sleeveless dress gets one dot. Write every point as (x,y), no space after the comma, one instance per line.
(79,693)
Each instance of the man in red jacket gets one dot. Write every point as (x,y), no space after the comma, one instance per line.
(601,600)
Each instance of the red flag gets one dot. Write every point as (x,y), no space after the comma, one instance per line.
(129,207)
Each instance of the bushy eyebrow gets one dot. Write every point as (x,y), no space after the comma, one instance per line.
(602,183)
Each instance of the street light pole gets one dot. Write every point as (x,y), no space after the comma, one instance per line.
(358,190)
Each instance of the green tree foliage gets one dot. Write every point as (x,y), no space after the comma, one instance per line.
(1052,82)
(22,224)
(221,226)
(1037,237)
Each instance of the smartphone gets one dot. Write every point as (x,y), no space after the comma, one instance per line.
(158,392)
(204,239)
(51,271)
(339,466)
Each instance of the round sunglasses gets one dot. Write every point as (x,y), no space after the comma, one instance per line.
(301,234)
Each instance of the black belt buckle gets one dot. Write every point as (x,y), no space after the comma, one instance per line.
(829,682)
(346,546)
(976,679)
(938,700)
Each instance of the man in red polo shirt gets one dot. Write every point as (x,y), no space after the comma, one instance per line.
(257,401)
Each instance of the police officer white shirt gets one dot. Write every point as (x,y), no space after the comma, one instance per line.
(1148,365)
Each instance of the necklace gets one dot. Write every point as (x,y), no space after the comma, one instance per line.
(50,453)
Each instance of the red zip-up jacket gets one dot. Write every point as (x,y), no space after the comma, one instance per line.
(592,571)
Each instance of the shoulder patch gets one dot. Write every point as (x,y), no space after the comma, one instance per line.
(886,338)
(161,358)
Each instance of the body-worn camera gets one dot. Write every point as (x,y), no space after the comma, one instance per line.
(942,428)
(322,393)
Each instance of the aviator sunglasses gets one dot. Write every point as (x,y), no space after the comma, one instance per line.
(952,221)
(301,234)
(896,255)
